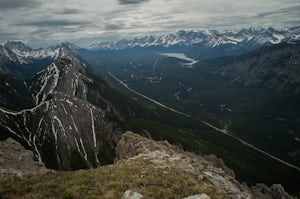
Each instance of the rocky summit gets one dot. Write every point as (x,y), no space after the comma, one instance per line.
(143,168)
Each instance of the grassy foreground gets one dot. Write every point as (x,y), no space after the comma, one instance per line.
(109,182)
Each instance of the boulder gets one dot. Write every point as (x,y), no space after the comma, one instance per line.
(198,196)
(130,194)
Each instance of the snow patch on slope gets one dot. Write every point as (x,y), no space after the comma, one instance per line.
(49,81)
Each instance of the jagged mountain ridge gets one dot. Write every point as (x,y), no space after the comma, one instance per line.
(19,53)
(63,129)
(206,38)
(20,60)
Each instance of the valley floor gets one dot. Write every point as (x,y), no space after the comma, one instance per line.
(224,131)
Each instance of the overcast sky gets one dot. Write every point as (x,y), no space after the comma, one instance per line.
(46,22)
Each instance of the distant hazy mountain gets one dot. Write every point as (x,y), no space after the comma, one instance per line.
(208,38)
(20,60)
(206,43)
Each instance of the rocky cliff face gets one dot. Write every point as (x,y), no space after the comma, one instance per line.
(208,169)
(63,129)
(16,160)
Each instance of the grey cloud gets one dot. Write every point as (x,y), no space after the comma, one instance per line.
(50,30)
(68,11)
(124,2)
(4,35)
(53,23)
(113,26)
(276,18)
(287,10)
(16,4)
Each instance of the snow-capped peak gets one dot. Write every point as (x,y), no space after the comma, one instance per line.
(17,52)
(209,38)
(17,45)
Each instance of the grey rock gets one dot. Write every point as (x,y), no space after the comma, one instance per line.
(130,194)
(279,192)
(198,196)
(219,163)
(209,168)
(276,191)
(17,161)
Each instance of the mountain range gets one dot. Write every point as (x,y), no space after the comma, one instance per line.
(209,41)
(20,60)
(55,101)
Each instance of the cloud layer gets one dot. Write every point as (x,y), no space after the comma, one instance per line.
(47,22)
(53,23)
(131,1)
(16,4)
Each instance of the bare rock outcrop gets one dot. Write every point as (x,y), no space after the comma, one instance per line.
(198,196)
(130,194)
(16,160)
(208,168)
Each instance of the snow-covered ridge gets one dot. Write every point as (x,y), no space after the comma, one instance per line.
(17,52)
(209,38)
(66,74)
(49,82)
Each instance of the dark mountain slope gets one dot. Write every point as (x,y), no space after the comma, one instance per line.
(63,129)
(275,68)
(14,94)
(271,75)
